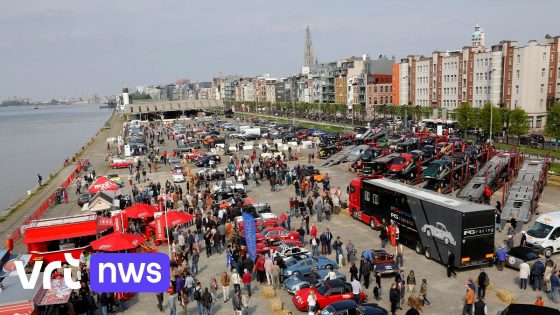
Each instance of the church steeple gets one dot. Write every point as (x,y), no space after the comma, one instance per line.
(308,56)
(478,37)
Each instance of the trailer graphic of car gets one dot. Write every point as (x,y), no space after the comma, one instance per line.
(439,231)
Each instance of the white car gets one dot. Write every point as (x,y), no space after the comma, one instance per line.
(178,177)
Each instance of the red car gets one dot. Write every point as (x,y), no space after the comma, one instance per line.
(120,164)
(400,163)
(328,292)
(277,233)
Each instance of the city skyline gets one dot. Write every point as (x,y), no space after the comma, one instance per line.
(72,48)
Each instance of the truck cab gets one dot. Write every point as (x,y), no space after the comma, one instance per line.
(544,234)
(354,202)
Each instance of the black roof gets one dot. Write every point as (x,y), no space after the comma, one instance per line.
(524,309)
(335,283)
(343,305)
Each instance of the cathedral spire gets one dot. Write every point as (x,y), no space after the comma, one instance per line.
(308,57)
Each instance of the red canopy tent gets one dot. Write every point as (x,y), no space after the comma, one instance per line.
(102,183)
(140,211)
(173,218)
(117,241)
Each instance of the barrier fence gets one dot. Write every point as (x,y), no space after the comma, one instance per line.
(51,200)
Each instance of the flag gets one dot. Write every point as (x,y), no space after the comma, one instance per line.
(250,232)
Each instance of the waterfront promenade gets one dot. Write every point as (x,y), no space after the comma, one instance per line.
(94,151)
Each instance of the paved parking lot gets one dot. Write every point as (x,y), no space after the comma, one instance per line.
(446,294)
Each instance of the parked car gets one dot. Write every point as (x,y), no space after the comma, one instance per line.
(115,178)
(84,198)
(119,163)
(304,266)
(208,160)
(178,176)
(277,233)
(327,292)
(516,255)
(299,282)
(383,262)
(348,307)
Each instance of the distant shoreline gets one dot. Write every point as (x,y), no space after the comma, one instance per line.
(45,104)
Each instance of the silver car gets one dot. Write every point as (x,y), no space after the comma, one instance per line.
(299,281)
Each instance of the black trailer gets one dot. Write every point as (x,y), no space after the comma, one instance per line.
(433,223)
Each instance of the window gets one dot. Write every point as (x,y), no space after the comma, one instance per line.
(530,120)
(375,199)
(515,104)
(542,88)
(517,89)
(367,196)
(539,122)
(517,74)
(541,102)
(544,59)
(518,59)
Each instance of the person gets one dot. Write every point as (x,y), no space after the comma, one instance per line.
(40,179)
(523,240)
(547,273)
(104,303)
(236,302)
(415,306)
(172,300)
(246,278)
(276,275)
(383,233)
(537,272)
(353,270)
(197,295)
(119,296)
(450,264)
(411,282)
(356,289)
(349,251)
(424,293)
(245,301)
(524,272)
(394,297)
(399,258)
(236,280)
(376,292)
(311,302)
(469,300)
(480,307)
(509,242)
(207,301)
(225,280)
(554,286)
(539,301)
(331,275)
(498,216)
(365,271)
(502,253)
(483,282)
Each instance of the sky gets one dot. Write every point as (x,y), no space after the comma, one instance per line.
(68,48)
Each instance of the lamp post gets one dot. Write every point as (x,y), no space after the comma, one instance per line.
(491,112)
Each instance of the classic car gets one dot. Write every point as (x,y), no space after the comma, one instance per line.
(348,307)
(516,255)
(383,262)
(273,245)
(119,163)
(84,198)
(115,178)
(208,160)
(304,266)
(299,282)
(327,292)
(277,233)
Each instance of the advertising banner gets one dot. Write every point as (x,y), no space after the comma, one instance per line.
(250,232)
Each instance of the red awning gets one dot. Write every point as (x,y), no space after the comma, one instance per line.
(117,241)
(61,228)
(102,183)
(173,218)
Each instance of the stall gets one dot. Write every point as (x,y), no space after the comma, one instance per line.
(14,299)
(115,242)
(50,239)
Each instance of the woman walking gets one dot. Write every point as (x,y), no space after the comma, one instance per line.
(424,292)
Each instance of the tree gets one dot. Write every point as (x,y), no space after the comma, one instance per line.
(518,123)
(484,119)
(464,114)
(552,127)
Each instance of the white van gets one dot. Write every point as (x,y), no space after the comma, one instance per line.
(544,234)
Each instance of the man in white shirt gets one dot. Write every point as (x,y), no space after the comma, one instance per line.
(331,275)
(356,289)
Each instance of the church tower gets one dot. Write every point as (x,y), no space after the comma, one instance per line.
(308,56)
(478,37)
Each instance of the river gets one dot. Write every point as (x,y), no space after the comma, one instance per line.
(37,141)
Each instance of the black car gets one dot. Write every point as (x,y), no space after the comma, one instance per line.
(428,151)
(524,309)
(205,160)
(428,141)
(350,307)
(228,193)
(370,154)
(251,136)
(84,198)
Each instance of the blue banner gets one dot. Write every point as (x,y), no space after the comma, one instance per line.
(250,233)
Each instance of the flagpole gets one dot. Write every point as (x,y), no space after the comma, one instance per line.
(166,224)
